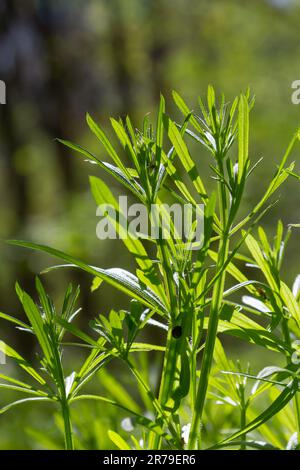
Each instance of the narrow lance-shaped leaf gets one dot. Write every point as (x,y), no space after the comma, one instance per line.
(280,176)
(12,319)
(78,333)
(186,111)
(257,254)
(103,195)
(10,352)
(117,277)
(183,153)
(290,302)
(160,128)
(21,402)
(243,136)
(119,442)
(139,419)
(281,401)
(117,391)
(99,133)
(126,179)
(125,141)
(35,318)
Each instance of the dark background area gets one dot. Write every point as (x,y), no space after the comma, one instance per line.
(113,58)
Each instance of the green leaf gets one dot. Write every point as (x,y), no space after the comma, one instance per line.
(139,419)
(125,141)
(259,445)
(183,153)
(96,359)
(144,347)
(117,391)
(248,330)
(24,400)
(243,136)
(103,195)
(124,177)
(130,130)
(281,401)
(36,321)
(99,133)
(224,364)
(77,332)
(10,352)
(280,176)
(96,284)
(14,381)
(118,440)
(290,302)
(14,320)
(117,277)
(29,391)
(160,127)
(44,299)
(176,177)
(234,272)
(257,254)
(186,111)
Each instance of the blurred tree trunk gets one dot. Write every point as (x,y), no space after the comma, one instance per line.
(159,15)
(119,52)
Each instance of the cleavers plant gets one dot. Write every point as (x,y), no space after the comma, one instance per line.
(191,295)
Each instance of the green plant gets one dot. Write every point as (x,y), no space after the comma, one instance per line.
(53,385)
(191,293)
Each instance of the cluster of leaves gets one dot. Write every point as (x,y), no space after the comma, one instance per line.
(181,291)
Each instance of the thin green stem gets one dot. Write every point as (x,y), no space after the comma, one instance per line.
(209,348)
(287,338)
(69,444)
(193,357)
(212,325)
(243,419)
(169,368)
(171,356)
(167,377)
(297,411)
(156,404)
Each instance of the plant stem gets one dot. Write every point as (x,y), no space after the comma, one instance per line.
(156,404)
(287,337)
(209,347)
(169,368)
(213,321)
(69,445)
(171,352)
(243,418)
(297,410)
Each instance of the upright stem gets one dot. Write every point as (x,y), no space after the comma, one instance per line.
(156,404)
(69,445)
(167,376)
(171,352)
(297,410)
(209,346)
(213,320)
(243,418)
(286,335)
(169,368)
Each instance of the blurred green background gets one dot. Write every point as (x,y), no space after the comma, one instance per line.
(112,58)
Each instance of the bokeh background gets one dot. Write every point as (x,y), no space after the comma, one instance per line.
(112,58)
